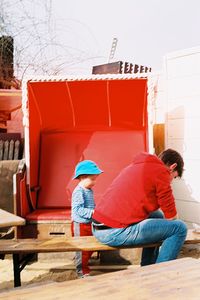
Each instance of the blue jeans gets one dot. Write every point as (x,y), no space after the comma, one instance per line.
(152,230)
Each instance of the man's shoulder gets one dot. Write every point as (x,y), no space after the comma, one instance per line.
(145,158)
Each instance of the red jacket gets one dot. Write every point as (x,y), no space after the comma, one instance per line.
(139,189)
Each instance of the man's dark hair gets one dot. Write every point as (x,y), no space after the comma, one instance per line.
(169,157)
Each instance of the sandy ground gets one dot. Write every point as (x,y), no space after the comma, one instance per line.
(37,272)
(48,270)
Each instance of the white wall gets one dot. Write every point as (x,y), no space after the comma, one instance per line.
(182,100)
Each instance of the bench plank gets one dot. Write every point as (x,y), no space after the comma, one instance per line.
(28,247)
(9,219)
(70,244)
(173,280)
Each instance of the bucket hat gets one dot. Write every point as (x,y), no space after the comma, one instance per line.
(86,167)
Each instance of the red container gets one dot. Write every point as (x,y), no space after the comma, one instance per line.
(101,118)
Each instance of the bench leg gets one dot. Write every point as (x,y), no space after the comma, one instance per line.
(19,263)
(17,270)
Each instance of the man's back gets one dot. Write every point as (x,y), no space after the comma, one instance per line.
(139,189)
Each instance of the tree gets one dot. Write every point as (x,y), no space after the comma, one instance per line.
(37,49)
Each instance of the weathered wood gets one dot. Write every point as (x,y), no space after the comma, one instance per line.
(159,137)
(6,149)
(27,247)
(16,149)
(11,150)
(1,150)
(44,230)
(8,219)
(173,280)
(10,145)
(84,243)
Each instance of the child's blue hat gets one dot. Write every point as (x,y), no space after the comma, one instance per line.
(86,167)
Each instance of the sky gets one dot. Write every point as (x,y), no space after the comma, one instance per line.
(77,34)
(146,29)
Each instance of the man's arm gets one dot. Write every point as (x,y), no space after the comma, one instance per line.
(165,195)
(173,218)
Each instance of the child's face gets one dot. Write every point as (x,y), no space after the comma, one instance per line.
(89,181)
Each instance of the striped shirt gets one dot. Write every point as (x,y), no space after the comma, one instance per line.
(82,205)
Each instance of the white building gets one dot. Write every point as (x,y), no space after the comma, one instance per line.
(179,93)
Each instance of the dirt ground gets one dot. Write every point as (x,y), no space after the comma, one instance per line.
(48,270)
(44,270)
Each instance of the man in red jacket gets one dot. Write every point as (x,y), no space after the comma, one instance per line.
(139,207)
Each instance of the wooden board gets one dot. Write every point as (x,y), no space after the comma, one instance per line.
(8,219)
(87,243)
(173,280)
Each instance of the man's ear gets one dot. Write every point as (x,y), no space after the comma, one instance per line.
(172,167)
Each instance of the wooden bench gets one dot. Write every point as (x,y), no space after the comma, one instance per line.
(172,280)
(9,219)
(23,250)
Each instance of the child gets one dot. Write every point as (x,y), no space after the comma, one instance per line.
(82,209)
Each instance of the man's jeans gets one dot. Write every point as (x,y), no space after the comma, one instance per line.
(152,230)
